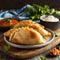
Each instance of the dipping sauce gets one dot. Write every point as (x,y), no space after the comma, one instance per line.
(49,18)
(8,22)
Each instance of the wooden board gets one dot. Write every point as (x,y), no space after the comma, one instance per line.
(23,53)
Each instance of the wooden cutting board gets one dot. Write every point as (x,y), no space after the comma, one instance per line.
(23,53)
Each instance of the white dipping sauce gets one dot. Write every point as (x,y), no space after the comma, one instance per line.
(49,18)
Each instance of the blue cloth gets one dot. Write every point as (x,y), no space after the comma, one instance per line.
(6,14)
(15,14)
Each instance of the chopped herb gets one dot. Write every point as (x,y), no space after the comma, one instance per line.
(57,34)
(57,12)
(6,48)
(22,26)
(42,58)
(11,27)
(8,20)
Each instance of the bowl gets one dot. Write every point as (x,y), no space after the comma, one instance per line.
(6,24)
(50,25)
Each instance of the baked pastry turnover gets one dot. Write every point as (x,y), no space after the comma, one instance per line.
(27,32)
(34,25)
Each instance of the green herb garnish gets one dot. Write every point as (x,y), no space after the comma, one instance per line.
(8,20)
(11,27)
(35,11)
(42,58)
(22,26)
(6,48)
(57,34)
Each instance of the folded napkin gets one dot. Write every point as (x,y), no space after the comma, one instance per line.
(19,14)
(6,14)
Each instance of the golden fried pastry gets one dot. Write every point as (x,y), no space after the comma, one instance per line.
(8,33)
(34,25)
(28,23)
(26,35)
(27,32)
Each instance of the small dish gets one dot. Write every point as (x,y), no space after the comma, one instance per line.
(50,25)
(49,40)
(7,23)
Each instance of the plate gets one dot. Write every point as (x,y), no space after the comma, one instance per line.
(49,40)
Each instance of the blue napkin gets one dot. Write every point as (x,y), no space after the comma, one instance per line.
(19,14)
(6,14)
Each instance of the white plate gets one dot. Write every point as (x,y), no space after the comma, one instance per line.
(31,46)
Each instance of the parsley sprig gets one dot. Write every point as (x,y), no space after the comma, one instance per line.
(6,48)
(42,58)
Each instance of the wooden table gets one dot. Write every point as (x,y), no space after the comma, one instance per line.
(6,57)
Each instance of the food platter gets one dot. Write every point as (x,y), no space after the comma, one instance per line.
(49,40)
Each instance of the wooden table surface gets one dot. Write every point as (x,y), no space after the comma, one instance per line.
(5,57)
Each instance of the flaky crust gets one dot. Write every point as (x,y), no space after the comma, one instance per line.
(27,32)
(28,23)
(27,35)
(34,25)
(9,32)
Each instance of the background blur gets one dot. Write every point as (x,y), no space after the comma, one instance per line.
(15,4)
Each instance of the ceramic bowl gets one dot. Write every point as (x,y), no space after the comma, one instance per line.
(51,25)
